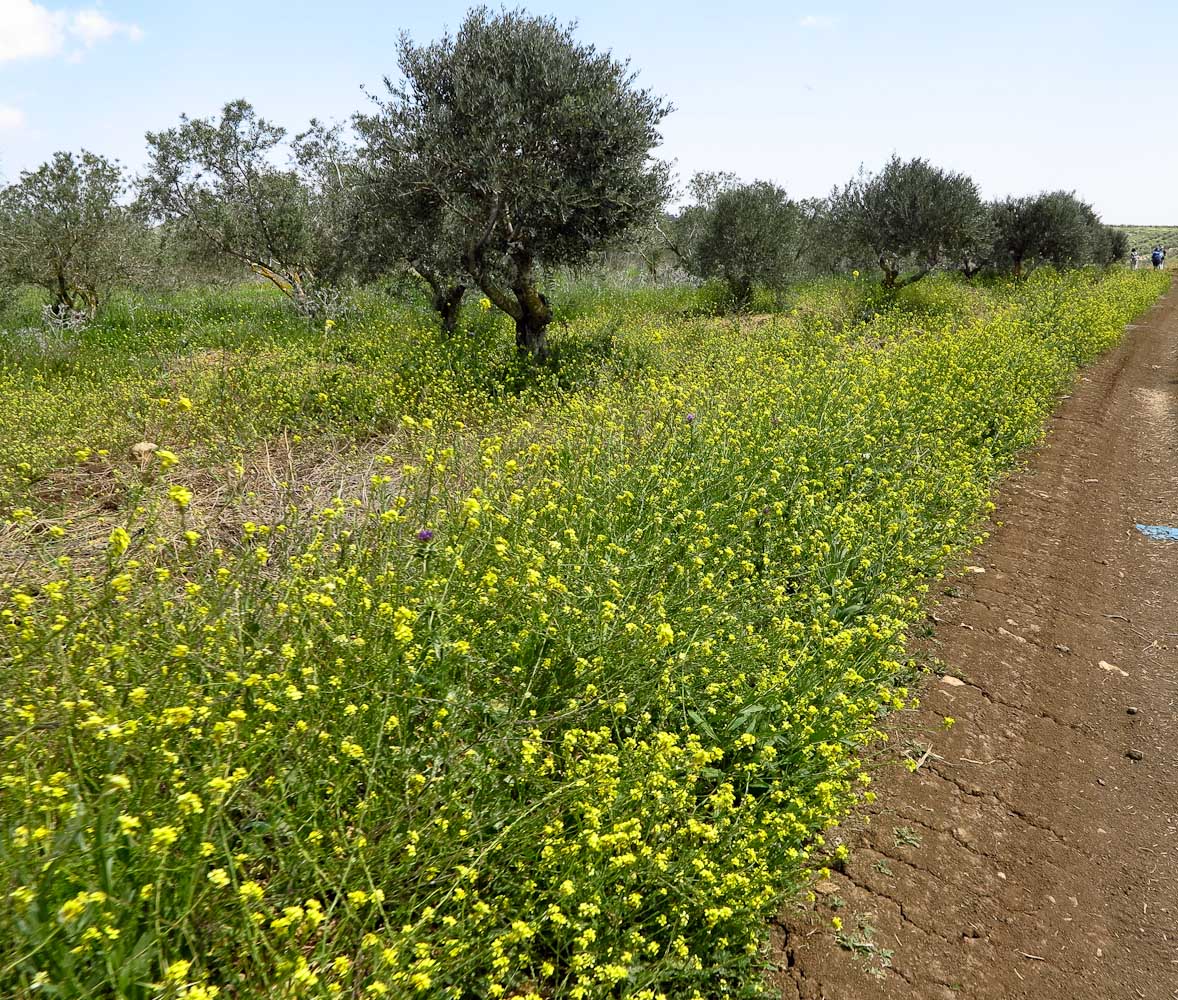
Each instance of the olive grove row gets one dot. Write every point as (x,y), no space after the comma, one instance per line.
(493,157)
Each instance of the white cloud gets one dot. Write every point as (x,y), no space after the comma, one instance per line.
(11,117)
(818,21)
(92,26)
(30,31)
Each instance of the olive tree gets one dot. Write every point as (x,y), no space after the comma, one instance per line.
(215,179)
(912,216)
(1066,229)
(536,147)
(365,217)
(1017,233)
(1054,226)
(1106,245)
(63,228)
(750,234)
(649,243)
(829,246)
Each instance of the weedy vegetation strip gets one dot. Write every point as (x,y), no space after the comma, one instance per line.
(217,370)
(563,715)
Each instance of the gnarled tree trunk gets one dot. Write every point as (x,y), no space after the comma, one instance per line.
(524,303)
(531,325)
(740,289)
(64,299)
(448,303)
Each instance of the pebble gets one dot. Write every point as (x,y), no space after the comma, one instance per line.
(1135,755)
(1131,711)
(1062,648)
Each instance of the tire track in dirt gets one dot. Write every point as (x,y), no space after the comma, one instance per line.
(1030,856)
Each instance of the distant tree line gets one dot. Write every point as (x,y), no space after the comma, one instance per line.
(906,221)
(497,155)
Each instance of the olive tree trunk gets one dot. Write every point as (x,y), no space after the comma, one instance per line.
(534,313)
(524,303)
(447,302)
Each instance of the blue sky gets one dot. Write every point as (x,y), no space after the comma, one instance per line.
(1023,97)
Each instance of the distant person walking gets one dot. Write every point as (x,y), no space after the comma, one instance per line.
(1134,259)
(1158,257)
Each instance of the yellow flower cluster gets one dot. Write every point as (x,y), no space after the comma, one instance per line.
(561,708)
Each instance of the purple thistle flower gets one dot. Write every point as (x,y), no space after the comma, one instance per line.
(690,418)
(425,535)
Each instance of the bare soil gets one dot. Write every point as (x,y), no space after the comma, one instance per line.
(1034,852)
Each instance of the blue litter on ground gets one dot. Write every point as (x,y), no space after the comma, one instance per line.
(1159,532)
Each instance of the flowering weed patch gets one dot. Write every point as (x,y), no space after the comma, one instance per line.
(562,712)
(218,372)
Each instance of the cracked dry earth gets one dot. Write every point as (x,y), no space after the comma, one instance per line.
(1034,852)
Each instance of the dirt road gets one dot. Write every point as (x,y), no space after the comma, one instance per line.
(1034,852)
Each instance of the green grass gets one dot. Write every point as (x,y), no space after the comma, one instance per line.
(215,372)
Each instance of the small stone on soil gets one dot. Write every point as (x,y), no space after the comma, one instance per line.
(1135,755)
(1062,648)
(952,681)
(1131,710)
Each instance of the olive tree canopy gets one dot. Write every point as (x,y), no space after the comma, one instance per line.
(750,234)
(403,223)
(63,228)
(1054,227)
(215,179)
(536,148)
(913,216)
